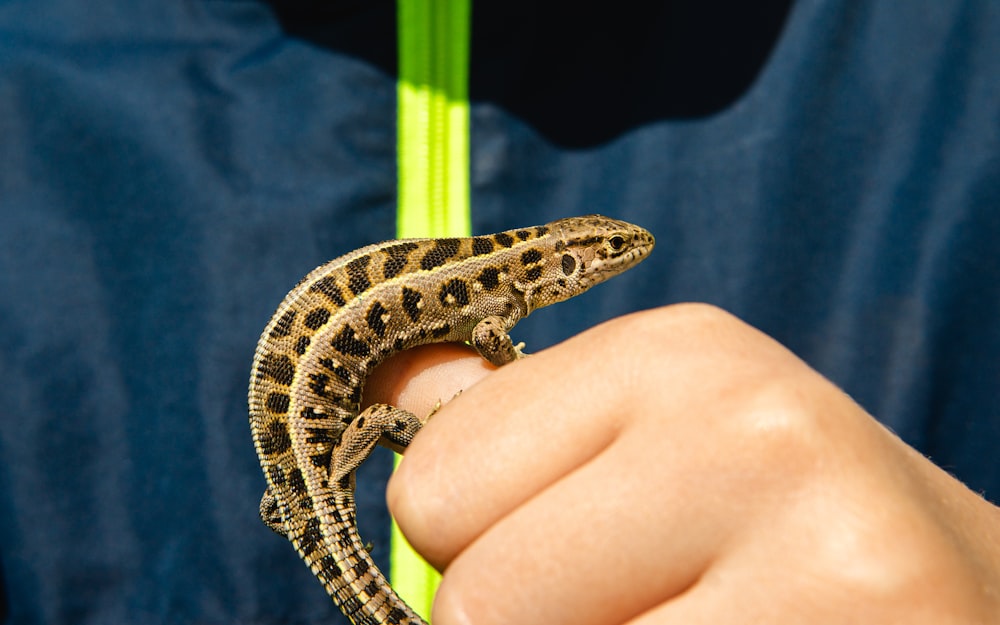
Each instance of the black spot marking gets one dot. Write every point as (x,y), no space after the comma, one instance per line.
(568,264)
(278,368)
(398,345)
(456,289)
(346,536)
(277,403)
(561,282)
(317,318)
(442,331)
(411,303)
(306,503)
(396,258)
(318,382)
(439,254)
(374,318)
(587,242)
(296,482)
(395,616)
(372,588)
(312,536)
(345,482)
(347,342)
(277,440)
(343,373)
(560,246)
(360,423)
(284,325)
(310,413)
(318,436)
(328,286)
(351,606)
(340,371)
(348,404)
(357,275)
(489,278)
(534,273)
(277,475)
(336,504)
(504,239)
(541,231)
(329,570)
(530,257)
(524,235)
(361,567)
(481,245)
(322,461)
(302,344)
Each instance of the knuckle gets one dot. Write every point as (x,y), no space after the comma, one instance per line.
(781,436)
(895,558)
(782,414)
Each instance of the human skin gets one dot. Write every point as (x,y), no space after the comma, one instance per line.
(676,466)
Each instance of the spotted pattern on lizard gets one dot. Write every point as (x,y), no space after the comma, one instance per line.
(350,314)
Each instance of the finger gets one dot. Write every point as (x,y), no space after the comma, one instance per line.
(418,379)
(498,444)
(584,551)
(535,420)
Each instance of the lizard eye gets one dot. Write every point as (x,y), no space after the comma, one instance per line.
(617,242)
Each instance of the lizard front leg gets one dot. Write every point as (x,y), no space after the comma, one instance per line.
(270,513)
(490,339)
(379,423)
(394,427)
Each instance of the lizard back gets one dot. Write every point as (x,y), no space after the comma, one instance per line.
(350,314)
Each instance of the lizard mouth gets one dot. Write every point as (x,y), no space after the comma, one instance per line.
(602,264)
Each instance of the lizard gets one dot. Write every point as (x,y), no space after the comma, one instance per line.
(350,314)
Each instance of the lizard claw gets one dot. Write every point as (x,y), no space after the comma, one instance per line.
(437,406)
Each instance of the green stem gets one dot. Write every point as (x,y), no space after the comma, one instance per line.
(433,130)
(433,153)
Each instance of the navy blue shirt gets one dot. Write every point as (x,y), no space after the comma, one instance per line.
(828,171)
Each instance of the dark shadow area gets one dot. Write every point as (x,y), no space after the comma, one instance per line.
(584,73)
(365,29)
(580,73)
(4,606)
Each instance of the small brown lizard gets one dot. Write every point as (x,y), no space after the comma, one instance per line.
(350,314)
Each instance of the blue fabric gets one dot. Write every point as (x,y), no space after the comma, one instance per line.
(846,204)
(170,170)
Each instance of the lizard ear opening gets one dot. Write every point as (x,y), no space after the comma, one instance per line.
(568,264)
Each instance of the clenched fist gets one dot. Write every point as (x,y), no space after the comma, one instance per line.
(677,466)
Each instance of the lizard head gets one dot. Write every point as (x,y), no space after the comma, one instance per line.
(587,251)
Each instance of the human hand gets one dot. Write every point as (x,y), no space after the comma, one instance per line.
(678,466)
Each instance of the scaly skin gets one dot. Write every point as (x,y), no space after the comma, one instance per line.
(350,314)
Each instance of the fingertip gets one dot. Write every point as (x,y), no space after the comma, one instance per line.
(421,380)
(449,609)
